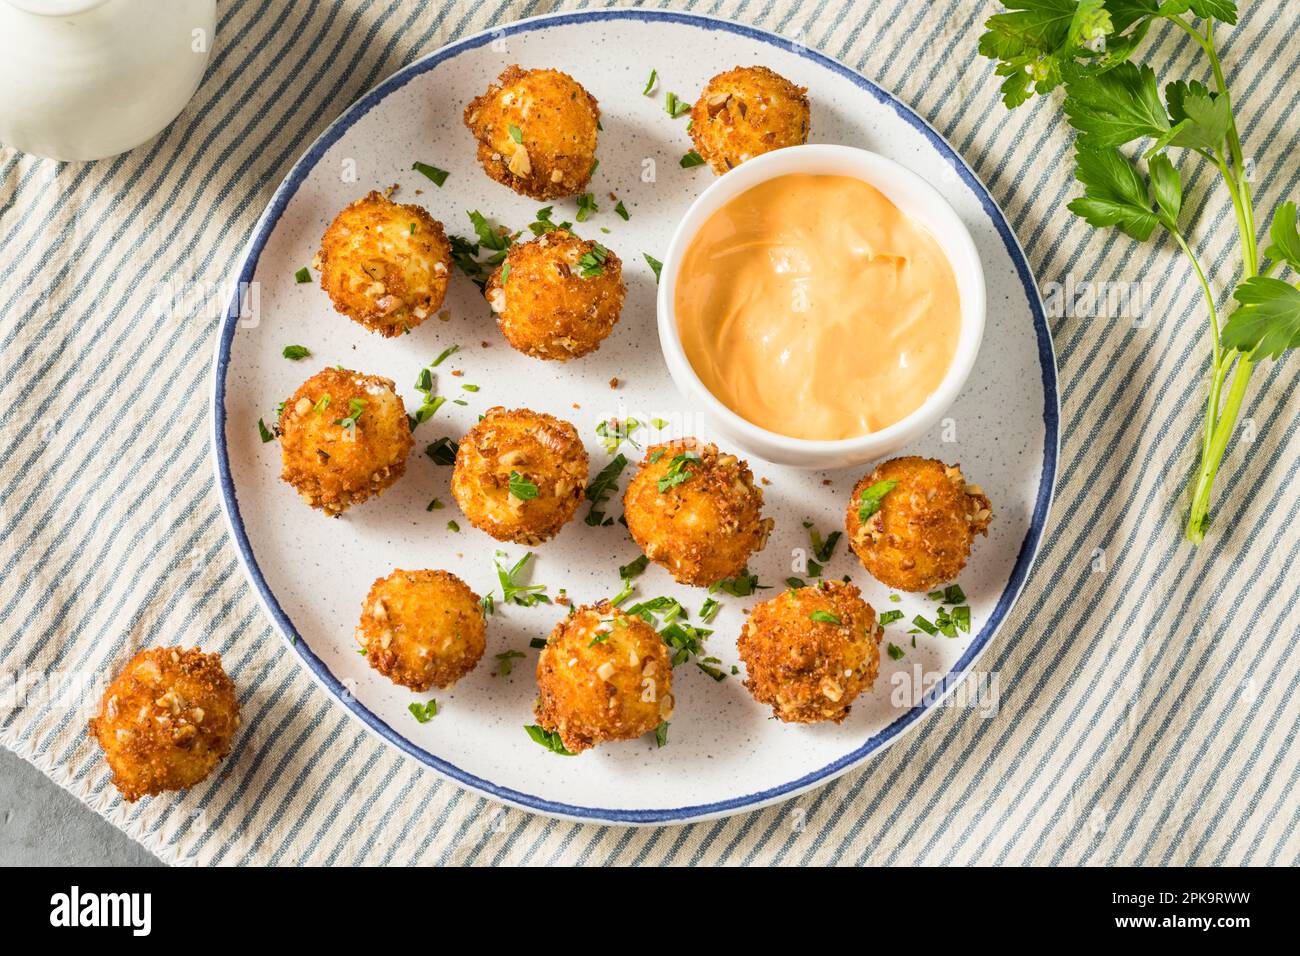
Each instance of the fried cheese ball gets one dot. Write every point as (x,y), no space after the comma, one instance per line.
(422,629)
(344,436)
(385,265)
(603,675)
(536,132)
(696,511)
(745,112)
(918,535)
(166,720)
(558,296)
(520,475)
(811,651)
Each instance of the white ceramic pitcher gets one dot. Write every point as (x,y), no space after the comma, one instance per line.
(86,79)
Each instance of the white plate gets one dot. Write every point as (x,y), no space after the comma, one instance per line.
(725,753)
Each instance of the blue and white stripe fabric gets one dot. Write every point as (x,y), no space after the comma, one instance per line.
(1148,691)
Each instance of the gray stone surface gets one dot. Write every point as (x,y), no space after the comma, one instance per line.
(42,825)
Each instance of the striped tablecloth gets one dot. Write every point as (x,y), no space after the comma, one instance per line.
(1148,710)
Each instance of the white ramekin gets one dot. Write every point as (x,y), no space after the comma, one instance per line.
(910,193)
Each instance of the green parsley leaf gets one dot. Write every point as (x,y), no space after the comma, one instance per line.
(550,739)
(1116,107)
(678,471)
(592,263)
(296,353)
(1285,240)
(515,133)
(742,585)
(622,211)
(661,734)
(889,617)
(302,276)
(872,496)
(1268,320)
(634,568)
(439,176)
(655,265)
(443,451)
(512,591)
(692,158)
(445,354)
(709,610)
(521,487)
(265,433)
(1114,193)
(675,107)
(601,487)
(896,653)
(650,83)
(423,712)
(825,617)
(505,662)
(614,432)
(355,407)
(586,206)
(453,526)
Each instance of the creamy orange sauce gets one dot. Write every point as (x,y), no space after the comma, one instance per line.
(813,307)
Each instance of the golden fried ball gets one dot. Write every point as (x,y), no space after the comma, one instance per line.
(536,132)
(422,629)
(603,675)
(344,436)
(921,534)
(558,296)
(745,112)
(520,475)
(811,651)
(166,720)
(696,511)
(384,265)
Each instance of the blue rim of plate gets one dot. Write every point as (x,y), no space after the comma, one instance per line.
(1024,559)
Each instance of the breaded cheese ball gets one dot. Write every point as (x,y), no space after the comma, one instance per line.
(746,112)
(915,534)
(385,265)
(344,436)
(811,651)
(520,475)
(696,511)
(422,629)
(558,296)
(536,132)
(603,675)
(166,720)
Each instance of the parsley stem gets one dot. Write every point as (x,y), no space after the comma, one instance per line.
(1212,402)
(1198,516)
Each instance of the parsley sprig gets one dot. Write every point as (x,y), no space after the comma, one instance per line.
(1088,46)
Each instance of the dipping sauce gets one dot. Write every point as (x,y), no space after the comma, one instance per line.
(813,307)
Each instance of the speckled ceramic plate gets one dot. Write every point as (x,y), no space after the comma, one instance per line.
(725,753)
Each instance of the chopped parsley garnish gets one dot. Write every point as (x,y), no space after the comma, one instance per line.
(443,451)
(825,617)
(515,133)
(871,497)
(600,637)
(622,211)
(634,568)
(444,355)
(355,407)
(660,423)
(742,585)
(512,591)
(925,625)
(521,487)
(550,739)
(675,107)
(678,471)
(505,662)
(691,159)
(488,605)
(661,734)
(266,433)
(710,610)
(889,617)
(796,582)
(431,403)
(896,653)
(439,176)
(543,222)
(586,206)
(594,164)
(952,594)
(537,643)
(823,550)
(466,253)
(302,275)
(423,712)
(655,265)
(715,672)
(505,272)
(649,86)
(322,403)
(592,264)
(434,505)
(453,526)
(296,353)
(470,388)
(614,432)
(601,487)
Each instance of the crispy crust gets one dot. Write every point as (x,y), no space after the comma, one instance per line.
(705,528)
(615,688)
(811,671)
(422,629)
(557,121)
(385,266)
(544,307)
(922,534)
(543,450)
(331,466)
(745,112)
(166,720)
